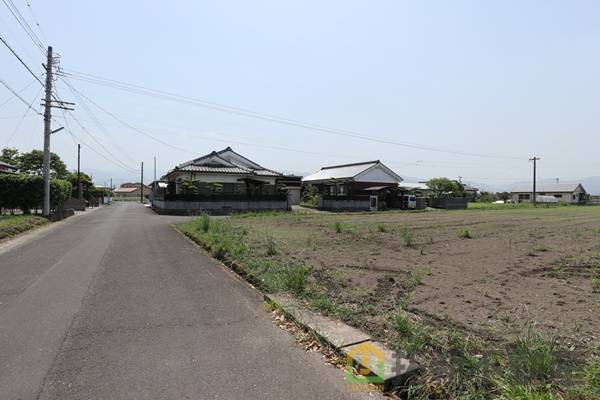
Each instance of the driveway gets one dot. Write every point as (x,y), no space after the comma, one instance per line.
(115,304)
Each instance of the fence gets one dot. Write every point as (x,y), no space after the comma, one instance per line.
(219,204)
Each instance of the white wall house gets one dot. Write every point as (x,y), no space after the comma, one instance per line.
(572,193)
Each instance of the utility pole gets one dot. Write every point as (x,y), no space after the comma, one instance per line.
(79,192)
(534,159)
(47,132)
(47,103)
(154,169)
(142,185)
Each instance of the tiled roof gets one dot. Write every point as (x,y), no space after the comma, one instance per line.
(225,161)
(340,171)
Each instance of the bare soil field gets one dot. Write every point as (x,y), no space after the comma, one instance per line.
(411,278)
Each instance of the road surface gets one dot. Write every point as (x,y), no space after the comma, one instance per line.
(114,304)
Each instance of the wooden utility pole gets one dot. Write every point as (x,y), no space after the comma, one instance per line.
(142,185)
(47,132)
(534,159)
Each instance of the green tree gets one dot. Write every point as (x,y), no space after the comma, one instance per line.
(189,187)
(33,162)
(10,155)
(487,197)
(87,186)
(444,187)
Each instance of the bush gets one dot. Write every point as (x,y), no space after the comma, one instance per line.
(26,192)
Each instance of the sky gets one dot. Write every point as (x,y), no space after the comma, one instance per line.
(487,85)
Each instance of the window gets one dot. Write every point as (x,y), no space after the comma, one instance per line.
(524,196)
(558,196)
(341,189)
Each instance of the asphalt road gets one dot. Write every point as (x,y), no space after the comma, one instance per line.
(114,304)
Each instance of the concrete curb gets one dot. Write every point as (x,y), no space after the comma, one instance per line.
(345,339)
(356,345)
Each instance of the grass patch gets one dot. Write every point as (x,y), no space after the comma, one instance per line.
(342,227)
(12,225)
(407,237)
(465,234)
(534,358)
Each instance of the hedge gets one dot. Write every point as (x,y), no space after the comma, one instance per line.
(26,192)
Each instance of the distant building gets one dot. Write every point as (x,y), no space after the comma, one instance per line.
(130,189)
(6,167)
(572,193)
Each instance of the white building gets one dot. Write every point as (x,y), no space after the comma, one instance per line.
(572,193)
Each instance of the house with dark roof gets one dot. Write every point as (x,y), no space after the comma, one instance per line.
(572,193)
(219,183)
(357,186)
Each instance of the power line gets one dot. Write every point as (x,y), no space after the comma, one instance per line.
(77,139)
(14,10)
(13,96)
(21,61)
(138,89)
(95,120)
(37,23)
(18,96)
(22,118)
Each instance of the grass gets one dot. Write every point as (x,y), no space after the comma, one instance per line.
(342,227)
(12,225)
(407,237)
(458,362)
(465,234)
(534,358)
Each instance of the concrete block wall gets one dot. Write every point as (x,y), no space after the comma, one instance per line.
(180,207)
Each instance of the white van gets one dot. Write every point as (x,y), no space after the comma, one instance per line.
(411,201)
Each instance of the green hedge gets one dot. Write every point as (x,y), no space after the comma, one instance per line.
(26,192)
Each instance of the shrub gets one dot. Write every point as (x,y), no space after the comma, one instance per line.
(26,192)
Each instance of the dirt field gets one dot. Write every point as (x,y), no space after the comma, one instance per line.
(521,266)
(494,274)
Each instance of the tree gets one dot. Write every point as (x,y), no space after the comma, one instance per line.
(487,197)
(444,187)
(87,186)
(10,155)
(33,162)
(189,187)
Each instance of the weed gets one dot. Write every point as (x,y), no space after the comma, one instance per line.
(591,375)
(204,222)
(271,247)
(533,358)
(415,278)
(596,283)
(341,227)
(381,228)
(407,237)
(323,304)
(465,234)
(293,278)
(413,336)
(510,391)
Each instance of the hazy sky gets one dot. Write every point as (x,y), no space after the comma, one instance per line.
(512,79)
